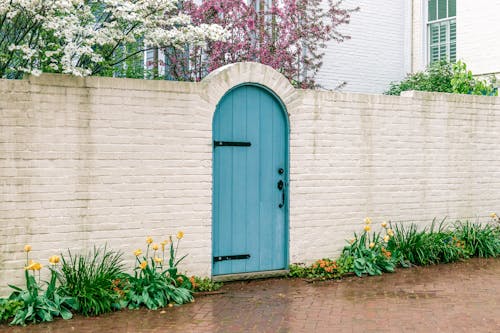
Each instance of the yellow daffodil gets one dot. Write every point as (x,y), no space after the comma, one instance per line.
(143,265)
(157,260)
(149,240)
(493,215)
(384,224)
(27,248)
(386,238)
(180,234)
(372,245)
(54,260)
(367,228)
(155,247)
(163,244)
(390,232)
(368,220)
(30,266)
(352,240)
(33,266)
(137,252)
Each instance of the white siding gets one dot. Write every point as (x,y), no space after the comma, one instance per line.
(375,55)
(478,35)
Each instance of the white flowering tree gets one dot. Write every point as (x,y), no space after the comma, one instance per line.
(85,37)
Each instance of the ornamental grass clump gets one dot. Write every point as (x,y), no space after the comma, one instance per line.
(479,240)
(93,280)
(368,251)
(428,246)
(34,304)
(156,284)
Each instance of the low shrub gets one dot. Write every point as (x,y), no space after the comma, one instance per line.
(93,280)
(204,284)
(323,269)
(442,76)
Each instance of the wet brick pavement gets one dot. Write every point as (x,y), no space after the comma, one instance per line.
(461,297)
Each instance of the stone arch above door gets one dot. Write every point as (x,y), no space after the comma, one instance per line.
(223,79)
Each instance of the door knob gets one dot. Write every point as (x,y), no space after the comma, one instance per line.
(280,185)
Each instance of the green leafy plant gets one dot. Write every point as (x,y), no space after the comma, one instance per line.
(368,253)
(9,308)
(154,285)
(39,305)
(437,77)
(442,76)
(463,82)
(204,284)
(94,280)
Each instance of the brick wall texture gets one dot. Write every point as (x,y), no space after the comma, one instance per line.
(90,161)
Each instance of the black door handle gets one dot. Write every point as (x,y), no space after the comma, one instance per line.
(281,188)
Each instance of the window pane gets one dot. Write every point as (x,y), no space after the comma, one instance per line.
(442,13)
(442,52)
(434,34)
(443,32)
(432,10)
(452,8)
(434,53)
(453,30)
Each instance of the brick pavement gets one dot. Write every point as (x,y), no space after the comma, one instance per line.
(461,297)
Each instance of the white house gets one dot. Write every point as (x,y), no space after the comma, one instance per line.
(391,38)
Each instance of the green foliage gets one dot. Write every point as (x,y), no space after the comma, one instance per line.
(39,306)
(323,269)
(368,255)
(427,246)
(464,83)
(9,308)
(345,264)
(437,77)
(205,284)
(445,77)
(93,280)
(479,240)
(155,286)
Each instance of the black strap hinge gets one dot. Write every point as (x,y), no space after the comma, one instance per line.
(236,257)
(231,144)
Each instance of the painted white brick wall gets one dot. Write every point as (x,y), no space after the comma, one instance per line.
(102,160)
(95,161)
(478,35)
(375,54)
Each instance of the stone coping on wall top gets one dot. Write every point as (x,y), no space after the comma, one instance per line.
(448,97)
(65,80)
(221,80)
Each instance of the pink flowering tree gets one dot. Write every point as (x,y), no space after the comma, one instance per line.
(289,35)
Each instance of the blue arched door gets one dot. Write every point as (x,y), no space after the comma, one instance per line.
(250,174)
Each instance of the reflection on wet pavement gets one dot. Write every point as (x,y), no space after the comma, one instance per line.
(461,297)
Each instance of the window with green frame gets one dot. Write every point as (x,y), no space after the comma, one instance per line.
(442,30)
